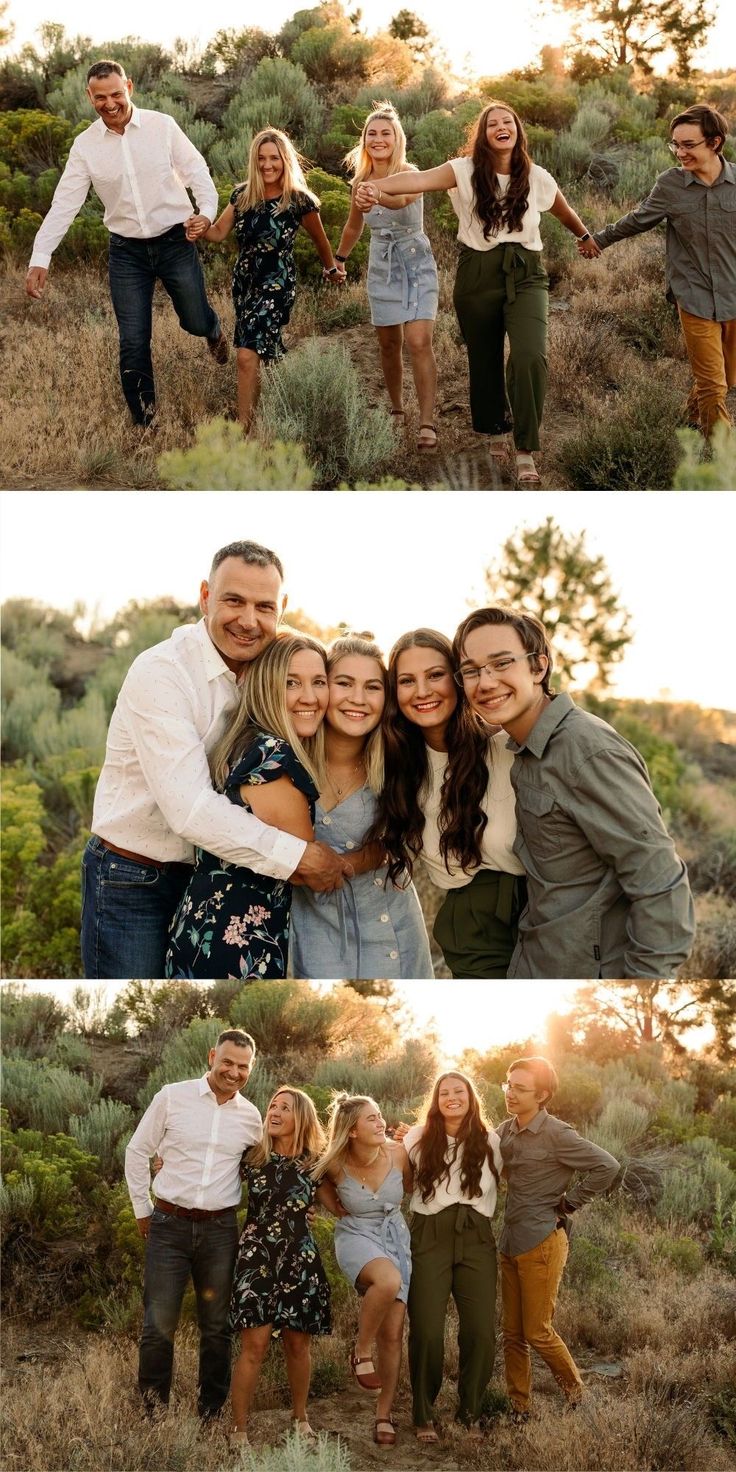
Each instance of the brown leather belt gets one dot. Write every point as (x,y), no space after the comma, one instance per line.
(190,1213)
(126,853)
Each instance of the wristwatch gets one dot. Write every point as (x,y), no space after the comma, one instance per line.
(586,236)
(341,259)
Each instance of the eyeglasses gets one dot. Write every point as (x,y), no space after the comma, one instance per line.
(469,674)
(685,147)
(516,1088)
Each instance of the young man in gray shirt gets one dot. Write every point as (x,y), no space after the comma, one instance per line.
(540,1154)
(608,896)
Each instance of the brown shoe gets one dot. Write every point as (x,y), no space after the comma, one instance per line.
(367,1379)
(384,1431)
(219,348)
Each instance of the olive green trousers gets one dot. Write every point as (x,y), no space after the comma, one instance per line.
(476,926)
(452,1252)
(498,293)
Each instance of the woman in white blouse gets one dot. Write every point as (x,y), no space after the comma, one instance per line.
(455,1159)
(501,287)
(447,797)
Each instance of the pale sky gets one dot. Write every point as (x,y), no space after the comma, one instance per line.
(487,38)
(394,561)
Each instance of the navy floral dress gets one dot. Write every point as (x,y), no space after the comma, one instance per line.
(231,922)
(264,278)
(279,1278)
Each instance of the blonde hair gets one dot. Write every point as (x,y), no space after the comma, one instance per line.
(358,161)
(252,192)
(364,644)
(263,708)
(309,1136)
(344,1114)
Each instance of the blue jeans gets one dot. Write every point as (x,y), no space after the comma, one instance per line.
(176,1250)
(126,912)
(134,268)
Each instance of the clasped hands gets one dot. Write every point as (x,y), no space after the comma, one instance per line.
(196,226)
(365,196)
(589,249)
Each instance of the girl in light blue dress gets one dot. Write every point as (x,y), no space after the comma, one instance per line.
(369,928)
(372,1243)
(402,275)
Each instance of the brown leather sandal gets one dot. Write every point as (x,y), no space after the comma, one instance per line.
(427,444)
(386,1437)
(367,1379)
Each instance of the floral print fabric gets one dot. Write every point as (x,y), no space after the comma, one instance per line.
(264,278)
(231,922)
(279,1278)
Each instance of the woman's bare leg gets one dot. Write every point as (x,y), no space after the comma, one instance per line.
(253,1349)
(423,366)
(389,1339)
(381,1281)
(249,386)
(298,1369)
(390,341)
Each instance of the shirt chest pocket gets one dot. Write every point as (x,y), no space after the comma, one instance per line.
(539,819)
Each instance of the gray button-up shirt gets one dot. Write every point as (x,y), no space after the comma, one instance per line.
(607,893)
(701,239)
(539,1163)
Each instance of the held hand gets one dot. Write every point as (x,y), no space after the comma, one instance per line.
(589,249)
(322,869)
(144,1223)
(337,277)
(196,226)
(399,1131)
(35,281)
(156,1165)
(366,195)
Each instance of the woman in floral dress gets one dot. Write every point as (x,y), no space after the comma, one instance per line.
(232,922)
(280,1286)
(266,212)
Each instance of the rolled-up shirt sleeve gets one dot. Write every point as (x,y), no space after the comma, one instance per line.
(174,763)
(614,806)
(193,172)
(598,1169)
(141,1147)
(69,196)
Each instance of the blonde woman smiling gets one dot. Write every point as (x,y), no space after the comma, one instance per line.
(372,1244)
(265,212)
(371,926)
(230,921)
(402,275)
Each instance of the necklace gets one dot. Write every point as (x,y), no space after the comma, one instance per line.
(368,1165)
(347,781)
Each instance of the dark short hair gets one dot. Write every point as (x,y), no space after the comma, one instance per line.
(545,1078)
(252,553)
(237,1036)
(530,629)
(105,69)
(712,124)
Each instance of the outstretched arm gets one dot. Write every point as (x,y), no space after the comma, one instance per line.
(414,181)
(652,211)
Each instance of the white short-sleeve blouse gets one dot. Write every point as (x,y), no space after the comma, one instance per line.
(542,192)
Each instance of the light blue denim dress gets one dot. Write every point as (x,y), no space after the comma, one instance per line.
(362,930)
(374,1228)
(402,275)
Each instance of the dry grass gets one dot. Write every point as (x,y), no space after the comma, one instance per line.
(657,1353)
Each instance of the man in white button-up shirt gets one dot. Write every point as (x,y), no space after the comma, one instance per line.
(200,1128)
(155,801)
(141,164)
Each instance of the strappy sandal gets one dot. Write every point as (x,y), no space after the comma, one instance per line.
(526,471)
(398,413)
(427,444)
(367,1379)
(384,1438)
(498,450)
(426,1435)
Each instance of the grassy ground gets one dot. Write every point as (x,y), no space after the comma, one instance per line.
(655,1342)
(68,426)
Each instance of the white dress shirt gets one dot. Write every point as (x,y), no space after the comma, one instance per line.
(542,192)
(200,1142)
(449,1192)
(141,177)
(155,795)
(497,845)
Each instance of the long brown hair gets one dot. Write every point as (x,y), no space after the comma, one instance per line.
(434,1167)
(495,210)
(400,822)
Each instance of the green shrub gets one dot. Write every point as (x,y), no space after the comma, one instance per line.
(587,1264)
(316,399)
(621,1125)
(632,446)
(683,1253)
(33,138)
(104,1131)
(73,1053)
(44,1097)
(691,1188)
(395,1082)
(222,459)
(295,1455)
(579,1095)
(31,1021)
(290,1018)
(47,1181)
(706,468)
